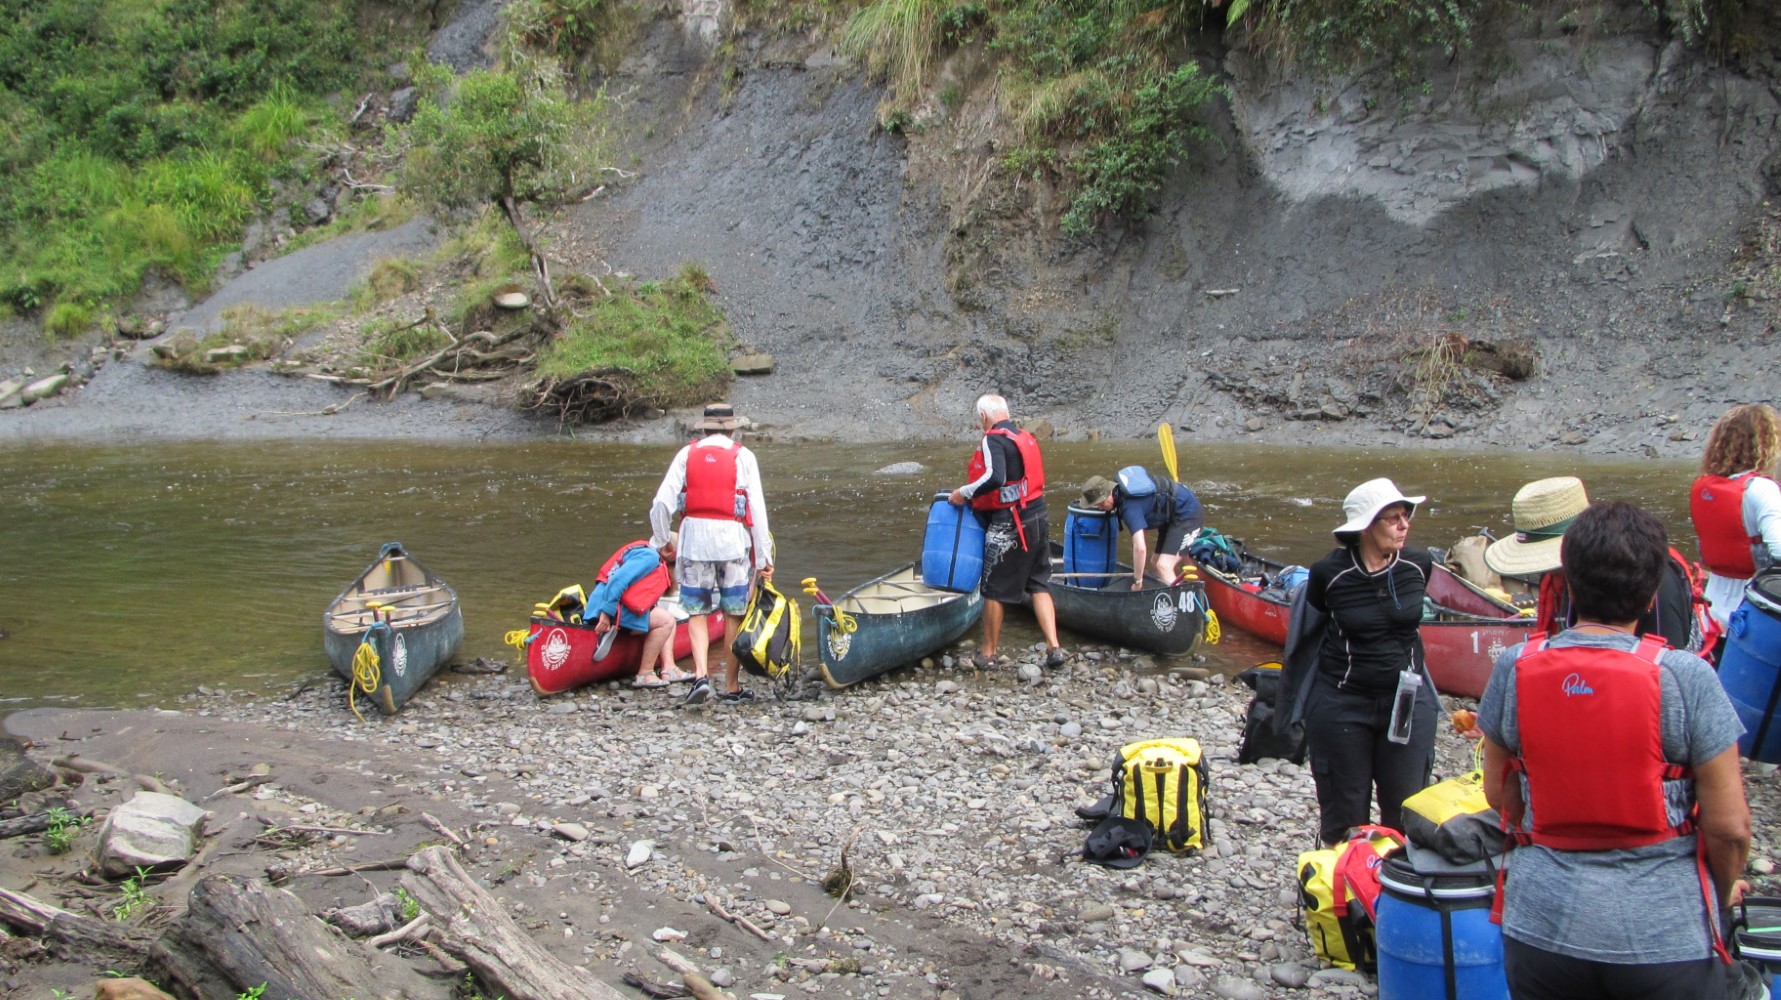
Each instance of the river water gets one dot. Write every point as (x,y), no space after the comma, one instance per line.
(134,573)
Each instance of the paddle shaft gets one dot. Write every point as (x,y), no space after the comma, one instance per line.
(1165,439)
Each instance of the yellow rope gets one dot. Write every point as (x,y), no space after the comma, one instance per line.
(517,638)
(843,620)
(367,674)
(1213,632)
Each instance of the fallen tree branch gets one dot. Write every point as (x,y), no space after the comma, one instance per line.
(369,866)
(239,787)
(445,831)
(30,914)
(409,931)
(717,908)
(474,927)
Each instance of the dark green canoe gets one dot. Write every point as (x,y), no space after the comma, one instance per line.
(1157,619)
(890,622)
(407,616)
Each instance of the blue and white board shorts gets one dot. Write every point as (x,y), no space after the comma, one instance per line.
(712,586)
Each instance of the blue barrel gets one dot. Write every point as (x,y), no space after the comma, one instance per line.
(1750,670)
(952,551)
(1434,934)
(1091,538)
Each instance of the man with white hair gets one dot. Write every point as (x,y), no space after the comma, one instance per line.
(724,540)
(1007,490)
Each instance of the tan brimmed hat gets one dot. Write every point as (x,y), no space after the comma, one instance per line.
(1365,501)
(718,417)
(1542,510)
(1095,490)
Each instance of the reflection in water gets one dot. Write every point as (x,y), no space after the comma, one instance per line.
(133,574)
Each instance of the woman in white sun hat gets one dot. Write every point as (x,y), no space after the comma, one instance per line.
(1542,510)
(1370,591)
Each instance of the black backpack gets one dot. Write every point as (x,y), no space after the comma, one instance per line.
(1260,741)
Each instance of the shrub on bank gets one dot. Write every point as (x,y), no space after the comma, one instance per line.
(144,134)
(668,333)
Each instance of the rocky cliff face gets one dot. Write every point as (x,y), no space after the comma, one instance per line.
(1340,270)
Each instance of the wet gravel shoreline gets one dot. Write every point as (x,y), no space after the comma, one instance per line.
(955,790)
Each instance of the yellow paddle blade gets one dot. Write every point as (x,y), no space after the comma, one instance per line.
(810,585)
(1165,438)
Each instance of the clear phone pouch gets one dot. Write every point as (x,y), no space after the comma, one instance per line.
(1403,706)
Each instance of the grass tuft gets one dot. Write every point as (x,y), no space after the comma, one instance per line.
(668,333)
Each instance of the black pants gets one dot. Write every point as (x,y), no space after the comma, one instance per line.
(1350,756)
(1536,974)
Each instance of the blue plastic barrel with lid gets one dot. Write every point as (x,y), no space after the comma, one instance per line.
(1750,668)
(1433,931)
(1091,539)
(952,550)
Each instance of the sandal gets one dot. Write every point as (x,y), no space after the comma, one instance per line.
(649,681)
(677,677)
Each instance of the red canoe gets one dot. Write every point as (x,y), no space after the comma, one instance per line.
(1462,638)
(560,655)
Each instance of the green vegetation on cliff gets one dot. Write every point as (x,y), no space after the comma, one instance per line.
(144,134)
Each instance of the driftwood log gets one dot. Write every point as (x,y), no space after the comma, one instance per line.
(238,933)
(475,928)
(594,396)
(79,934)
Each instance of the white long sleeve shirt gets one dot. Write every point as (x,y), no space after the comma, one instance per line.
(708,539)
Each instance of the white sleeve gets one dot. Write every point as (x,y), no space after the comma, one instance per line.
(1762,514)
(748,478)
(661,511)
(989,470)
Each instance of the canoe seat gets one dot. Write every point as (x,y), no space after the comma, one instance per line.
(889,604)
(358,620)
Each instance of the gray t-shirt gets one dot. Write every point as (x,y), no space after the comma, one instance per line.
(1637,906)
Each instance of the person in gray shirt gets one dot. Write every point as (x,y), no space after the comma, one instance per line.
(1606,894)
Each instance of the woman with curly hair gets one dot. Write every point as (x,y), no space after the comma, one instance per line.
(1736,505)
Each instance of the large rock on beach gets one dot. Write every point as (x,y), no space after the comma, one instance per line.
(152,830)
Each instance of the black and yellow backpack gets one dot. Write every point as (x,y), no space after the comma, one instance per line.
(1163,782)
(768,643)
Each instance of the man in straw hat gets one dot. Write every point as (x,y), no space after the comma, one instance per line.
(724,541)
(1542,511)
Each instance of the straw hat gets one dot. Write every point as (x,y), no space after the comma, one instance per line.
(1365,501)
(1542,510)
(718,417)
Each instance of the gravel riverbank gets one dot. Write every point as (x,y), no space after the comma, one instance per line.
(952,791)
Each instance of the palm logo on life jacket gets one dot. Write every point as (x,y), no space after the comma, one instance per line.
(641,596)
(711,488)
(1716,503)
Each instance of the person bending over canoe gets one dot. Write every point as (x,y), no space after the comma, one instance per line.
(1614,762)
(1007,490)
(1173,510)
(724,542)
(625,596)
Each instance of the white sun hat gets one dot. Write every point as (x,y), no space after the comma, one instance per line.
(1365,501)
(1542,510)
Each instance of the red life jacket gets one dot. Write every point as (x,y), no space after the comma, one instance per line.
(1716,503)
(641,596)
(1017,493)
(711,490)
(1591,723)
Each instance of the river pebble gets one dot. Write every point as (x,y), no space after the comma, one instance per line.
(955,788)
